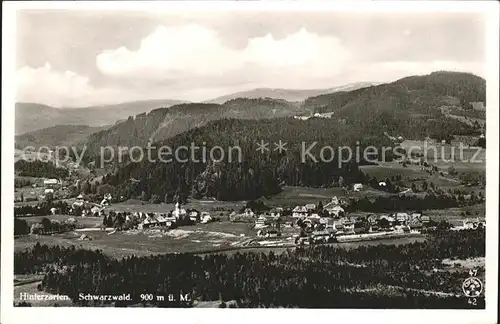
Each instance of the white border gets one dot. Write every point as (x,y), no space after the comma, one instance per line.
(9,314)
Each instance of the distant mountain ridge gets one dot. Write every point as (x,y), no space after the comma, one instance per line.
(30,117)
(291,95)
(60,135)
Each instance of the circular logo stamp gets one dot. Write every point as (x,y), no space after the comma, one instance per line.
(472,287)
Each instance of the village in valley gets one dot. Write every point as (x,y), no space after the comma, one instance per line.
(198,227)
(238,160)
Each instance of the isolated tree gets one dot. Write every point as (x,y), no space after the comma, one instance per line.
(85,187)
(320,206)
(341,181)
(47,224)
(49,197)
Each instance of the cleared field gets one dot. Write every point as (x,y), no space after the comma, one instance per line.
(410,173)
(293,196)
(157,241)
(478,210)
(390,169)
(444,155)
(198,237)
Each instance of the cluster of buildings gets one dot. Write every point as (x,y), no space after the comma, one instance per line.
(147,220)
(316,115)
(332,209)
(469,223)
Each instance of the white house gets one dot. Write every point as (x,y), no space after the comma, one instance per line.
(324,115)
(161,219)
(50,182)
(299,212)
(248,213)
(49,190)
(205,217)
(416,215)
(390,219)
(194,216)
(402,217)
(382,184)
(261,222)
(424,219)
(310,207)
(79,202)
(357,187)
(333,207)
(334,210)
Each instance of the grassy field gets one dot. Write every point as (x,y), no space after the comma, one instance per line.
(444,155)
(293,196)
(478,210)
(193,238)
(186,239)
(81,221)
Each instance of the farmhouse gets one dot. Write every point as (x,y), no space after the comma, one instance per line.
(310,207)
(261,222)
(194,216)
(106,200)
(324,115)
(79,202)
(314,216)
(302,117)
(357,187)
(205,217)
(333,207)
(347,224)
(179,212)
(388,218)
(248,213)
(463,224)
(416,215)
(50,183)
(424,219)
(402,217)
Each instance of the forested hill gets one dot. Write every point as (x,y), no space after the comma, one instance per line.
(56,136)
(263,174)
(412,95)
(290,95)
(160,124)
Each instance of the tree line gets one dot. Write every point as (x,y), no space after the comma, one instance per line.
(403,276)
(39,169)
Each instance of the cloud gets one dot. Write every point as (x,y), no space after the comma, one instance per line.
(193,51)
(192,62)
(45,85)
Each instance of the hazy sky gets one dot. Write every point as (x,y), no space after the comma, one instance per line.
(70,58)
